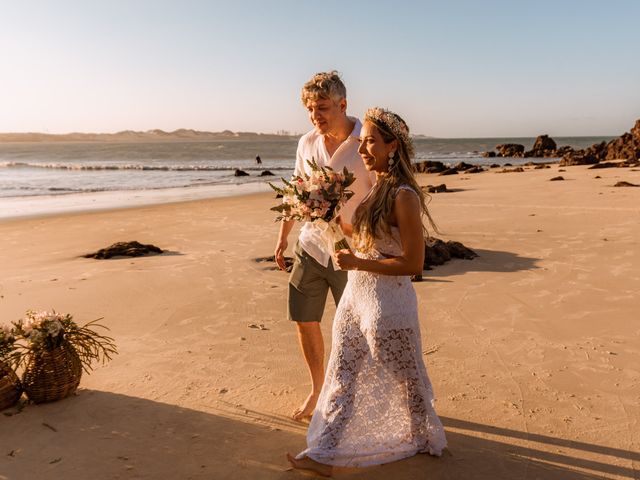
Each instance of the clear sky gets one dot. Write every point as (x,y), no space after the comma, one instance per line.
(473,68)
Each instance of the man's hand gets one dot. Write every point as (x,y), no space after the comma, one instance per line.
(281,247)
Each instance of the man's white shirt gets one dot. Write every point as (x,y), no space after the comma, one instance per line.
(311,145)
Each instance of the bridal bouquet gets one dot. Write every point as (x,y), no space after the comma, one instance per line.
(317,198)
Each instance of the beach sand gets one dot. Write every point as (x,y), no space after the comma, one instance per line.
(533,348)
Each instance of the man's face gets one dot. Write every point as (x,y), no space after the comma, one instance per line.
(324,113)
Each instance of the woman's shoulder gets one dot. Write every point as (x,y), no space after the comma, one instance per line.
(405,189)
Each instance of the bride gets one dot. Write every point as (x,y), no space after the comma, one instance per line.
(376,405)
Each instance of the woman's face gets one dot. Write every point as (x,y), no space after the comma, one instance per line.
(373,150)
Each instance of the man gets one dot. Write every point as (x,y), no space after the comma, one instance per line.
(333,142)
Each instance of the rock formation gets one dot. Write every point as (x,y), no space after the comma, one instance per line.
(626,148)
(510,150)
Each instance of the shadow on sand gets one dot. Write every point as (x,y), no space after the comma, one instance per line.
(101,435)
(486,261)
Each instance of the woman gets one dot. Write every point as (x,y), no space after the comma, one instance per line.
(376,405)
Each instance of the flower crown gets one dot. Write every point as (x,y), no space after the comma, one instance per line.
(390,120)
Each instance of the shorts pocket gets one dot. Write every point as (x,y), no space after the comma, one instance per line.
(297,274)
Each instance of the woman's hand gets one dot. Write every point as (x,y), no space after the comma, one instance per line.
(346,260)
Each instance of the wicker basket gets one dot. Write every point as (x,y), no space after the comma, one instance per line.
(10,388)
(52,375)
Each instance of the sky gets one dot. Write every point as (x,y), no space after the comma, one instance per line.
(452,68)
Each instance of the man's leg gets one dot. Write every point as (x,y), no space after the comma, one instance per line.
(312,346)
(308,290)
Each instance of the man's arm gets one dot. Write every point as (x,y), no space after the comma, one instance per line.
(287,226)
(283,242)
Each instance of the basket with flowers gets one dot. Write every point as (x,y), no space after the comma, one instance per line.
(10,387)
(53,351)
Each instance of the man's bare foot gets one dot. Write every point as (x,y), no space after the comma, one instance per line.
(310,465)
(305,411)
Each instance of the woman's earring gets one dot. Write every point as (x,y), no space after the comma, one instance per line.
(391,160)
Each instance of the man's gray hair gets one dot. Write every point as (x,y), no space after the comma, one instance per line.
(325,85)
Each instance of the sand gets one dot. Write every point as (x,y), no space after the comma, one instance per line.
(533,347)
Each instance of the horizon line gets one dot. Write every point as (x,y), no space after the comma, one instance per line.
(279,133)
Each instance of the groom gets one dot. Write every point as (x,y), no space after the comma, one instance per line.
(333,142)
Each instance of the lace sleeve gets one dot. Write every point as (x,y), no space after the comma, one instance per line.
(405,187)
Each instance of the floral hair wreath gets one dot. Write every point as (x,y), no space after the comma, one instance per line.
(392,121)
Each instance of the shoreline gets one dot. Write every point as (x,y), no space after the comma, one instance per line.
(35,206)
(40,206)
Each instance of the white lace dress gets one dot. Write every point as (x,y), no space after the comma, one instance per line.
(376,405)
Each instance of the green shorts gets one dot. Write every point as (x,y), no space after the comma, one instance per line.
(308,286)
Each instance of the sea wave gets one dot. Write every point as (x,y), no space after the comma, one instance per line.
(33,191)
(136,166)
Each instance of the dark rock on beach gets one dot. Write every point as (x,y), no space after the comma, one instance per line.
(266,173)
(555,179)
(562,151)
(240,173)
(510,150)
(544,142)
(430,166)
(435,188)
(438,252)
(463,166)
(625,184)
(544,146)
(125,249)
(434,166)
(587,156)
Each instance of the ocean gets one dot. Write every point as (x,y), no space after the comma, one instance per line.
(37,178)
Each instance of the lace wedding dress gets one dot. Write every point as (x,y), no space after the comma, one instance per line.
(376,405)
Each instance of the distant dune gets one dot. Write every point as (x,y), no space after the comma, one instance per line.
(147,136)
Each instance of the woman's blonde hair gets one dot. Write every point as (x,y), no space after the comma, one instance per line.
(325,85)
(371,218)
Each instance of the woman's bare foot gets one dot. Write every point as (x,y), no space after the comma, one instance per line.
(305,411)
(310,465)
